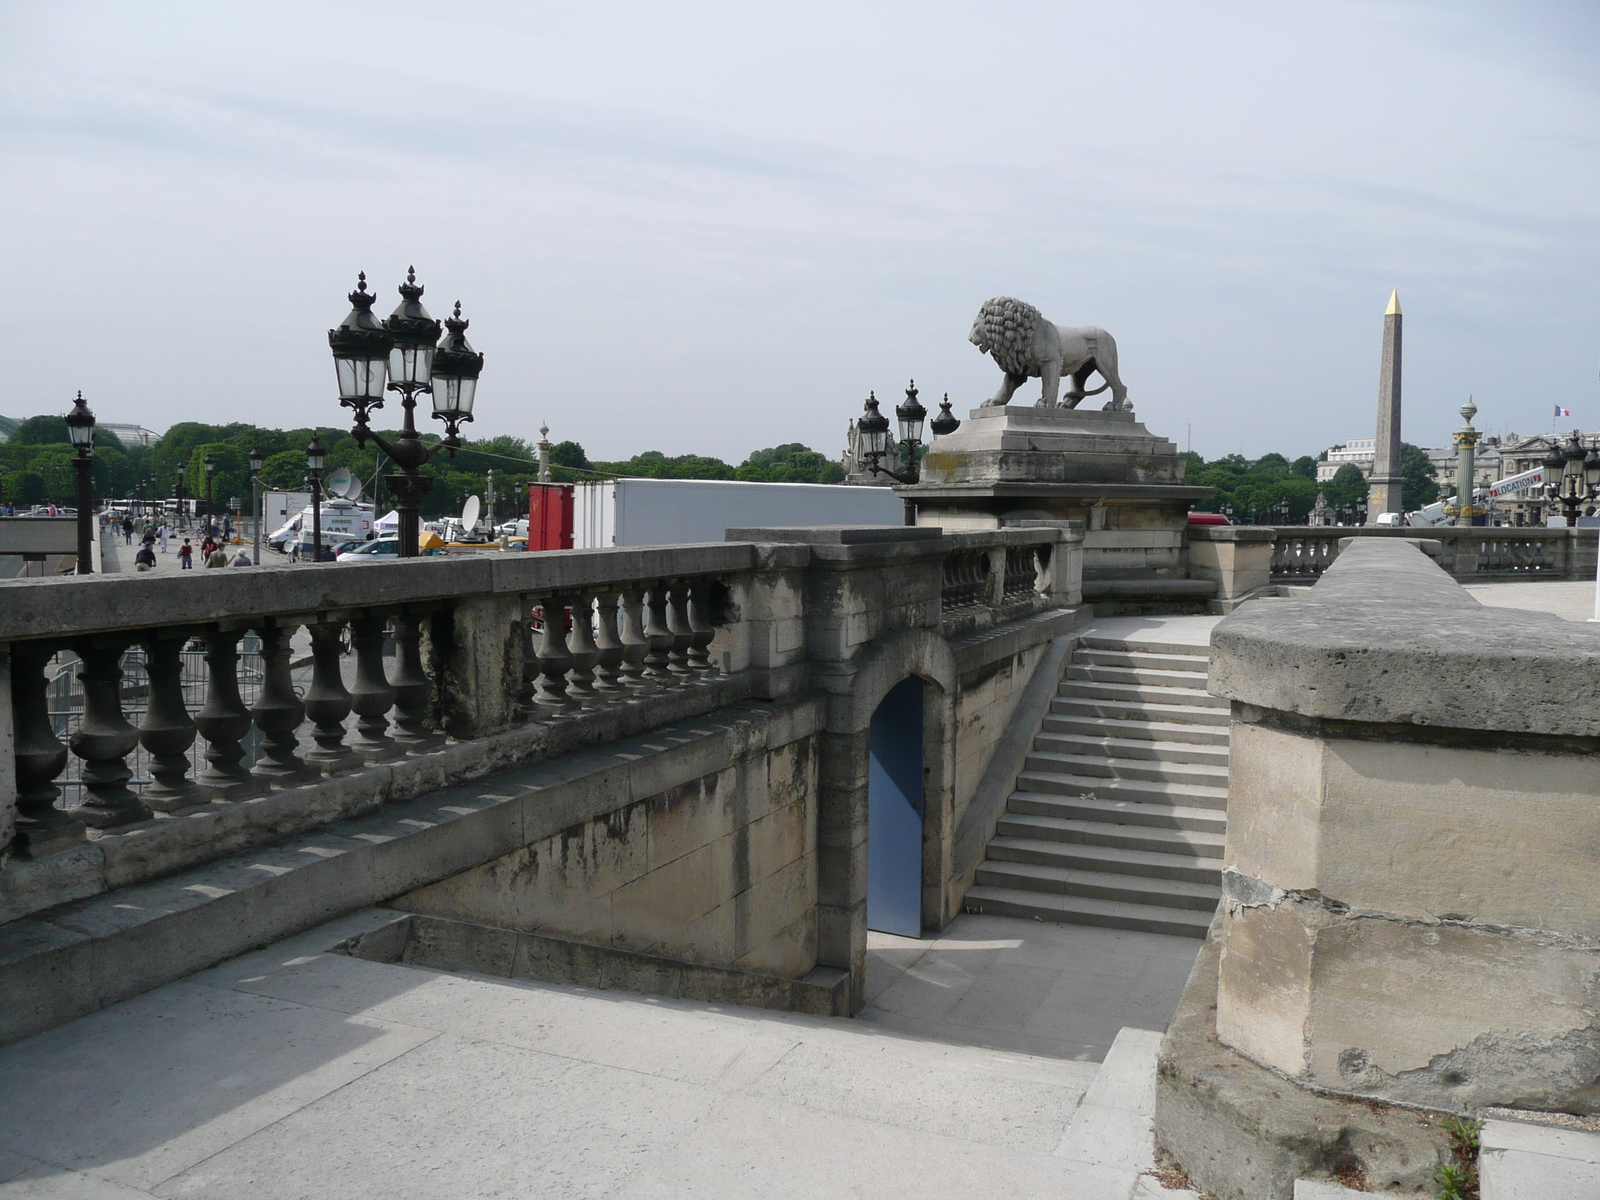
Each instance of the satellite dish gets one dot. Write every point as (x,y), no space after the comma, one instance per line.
(353,492)
(338,483)
(469,514)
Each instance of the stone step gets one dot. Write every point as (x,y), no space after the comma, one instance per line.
(1120,812)
(1139,710)
(1101,885)
(1102,766)
(1155,864)
(1198,664)
(1211,733)
(1194,681)
(1143,646)
(1097,743)
(1194,842)
(1084,910)
(1133,791)
(1081,689)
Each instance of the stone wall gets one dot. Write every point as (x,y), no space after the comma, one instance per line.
(721,870)
(1409,913)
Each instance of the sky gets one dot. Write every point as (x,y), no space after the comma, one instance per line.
(709,228)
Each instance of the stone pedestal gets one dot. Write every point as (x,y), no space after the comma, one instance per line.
(1009,465)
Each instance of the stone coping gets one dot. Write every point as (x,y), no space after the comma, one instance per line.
(1388,637)
(1232,533)
(923,493)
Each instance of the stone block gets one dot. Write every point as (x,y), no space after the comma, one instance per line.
(772,904)
(689,817)
(654,910)
(790,953)
(1418,830)
(1522,1160)
(778,839)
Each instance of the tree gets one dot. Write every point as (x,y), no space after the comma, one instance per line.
(653,464)
(569,454)
(1305,466)
(1419,489)
(41,431)
(24,487)
(1348,486)
(789,463)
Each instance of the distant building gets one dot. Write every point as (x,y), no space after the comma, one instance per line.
(1360,451)
(129,435)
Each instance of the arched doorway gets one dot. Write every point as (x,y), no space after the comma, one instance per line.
(894,813)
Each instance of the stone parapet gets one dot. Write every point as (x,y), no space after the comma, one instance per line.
(1409,916)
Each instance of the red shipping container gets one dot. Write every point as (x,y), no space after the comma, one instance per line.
(549,516)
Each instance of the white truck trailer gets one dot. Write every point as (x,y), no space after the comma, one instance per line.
(662,512)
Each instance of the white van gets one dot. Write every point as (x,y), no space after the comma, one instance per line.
(342,520)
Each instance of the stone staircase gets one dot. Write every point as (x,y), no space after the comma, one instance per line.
(1120,816)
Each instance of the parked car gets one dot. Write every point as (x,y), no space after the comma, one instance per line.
(379,549)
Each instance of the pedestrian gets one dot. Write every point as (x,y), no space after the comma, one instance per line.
(207,546)
(294,548)
(227,529)
(186,555)
(241,559)
(161,536)
(217,558)
(145,560)
(127,531)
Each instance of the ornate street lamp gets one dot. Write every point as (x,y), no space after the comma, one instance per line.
(1572,477)
(315,457)
(211,473)
(80,431)
(945,422)
(256,463)
(405,349)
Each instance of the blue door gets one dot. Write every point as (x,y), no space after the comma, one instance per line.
(894,813)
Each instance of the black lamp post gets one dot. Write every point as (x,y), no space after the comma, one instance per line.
(909,416)
(256,462)
(405,349)
(80,429)
(315,457)
(211,471)
(1572,477)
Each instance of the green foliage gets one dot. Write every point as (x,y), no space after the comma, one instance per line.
(40,431)
(1305,466)
(1254,491)
(790,463)
(653,464)
(569,454)
(1458,1180)
(1348,486)
(1419,488)
(25,487)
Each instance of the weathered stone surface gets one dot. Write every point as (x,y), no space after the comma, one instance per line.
(1242,1132)
(1387,637)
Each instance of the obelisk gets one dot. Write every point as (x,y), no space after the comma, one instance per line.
(1386,481)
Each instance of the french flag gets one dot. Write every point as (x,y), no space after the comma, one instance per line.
(1563,412)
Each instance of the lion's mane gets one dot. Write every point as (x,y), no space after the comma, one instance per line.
(1008,327)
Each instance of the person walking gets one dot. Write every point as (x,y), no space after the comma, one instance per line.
(161,536)
(145,560)
(294,548)
(127,531)
(217,558)
(186,555)
(241,559)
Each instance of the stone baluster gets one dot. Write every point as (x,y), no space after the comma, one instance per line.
(585,653)
(699,593)
(635,645)
(608,675)
(413,693)
(167,731)
(224,722)
(658,663)
(42,828)
(528,691)
(554,660)
(682,635)
(327,701)
(278,712)
(104,740)
(372,697)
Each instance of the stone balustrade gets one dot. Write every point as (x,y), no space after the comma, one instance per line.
(377,683)
(1300,554)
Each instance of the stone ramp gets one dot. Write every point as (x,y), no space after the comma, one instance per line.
(293,1071)
(1120,818)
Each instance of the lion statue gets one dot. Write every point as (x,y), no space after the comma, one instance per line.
(1025,345)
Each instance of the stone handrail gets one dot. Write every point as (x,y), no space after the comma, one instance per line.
(1300,554)
(409,666)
